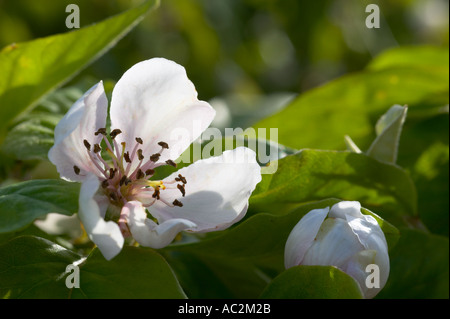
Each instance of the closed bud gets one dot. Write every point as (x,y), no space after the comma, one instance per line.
(345,238)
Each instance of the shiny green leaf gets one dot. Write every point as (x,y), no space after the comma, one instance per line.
(312,282)
(314,175)
(22,203)
(419,267)
(32,69)
(32,267)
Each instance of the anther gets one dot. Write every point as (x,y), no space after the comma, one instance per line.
(101,131)
(105,183)
(114,133)
(139,140)
(97,148)
(126,156)
(176,202)
(123,180)
(181,178)
(155,157)
(140,155)
(113,196)
(182,190)
(171,163)
(112,172)
(140,174)
(156,194)
(150,172)
(163,145)
(87,145)
(76,169)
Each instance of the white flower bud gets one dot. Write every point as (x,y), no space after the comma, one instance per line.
(345,238)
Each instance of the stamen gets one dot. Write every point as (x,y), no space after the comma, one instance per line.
(176,202)
(140,174)
(171,163)
(181,178)
(87,145)
(156,193)
(140,155)
(123,152)
(126,156)
(139,140)
(123,180)
(113,156)
(112,172)
(101,131)
(164,145)
(155,157)
(97,148)
(182,190)
(109,149)
(106,165)
(94,160)
(76,169)
(114,133)
(116,147)
(150,172)
(105,183)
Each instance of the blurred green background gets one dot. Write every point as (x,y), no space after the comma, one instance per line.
(250,57)
(242,46)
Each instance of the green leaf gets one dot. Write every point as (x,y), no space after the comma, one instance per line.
(22,203)
(419,267)
(350,105)
(417,56)
(205,276)
(32,69)
(389,128)
(431,173)
(314,175)
(32,267)
(32,138)
(235,244)
(134,273)
(312,282)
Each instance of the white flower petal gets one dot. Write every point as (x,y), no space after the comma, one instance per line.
(84,118)
(356,267)
(341,209)
(217,191)
(302,236)
(146,232)
(369,232)
(155,101)
(371,236)
(334,244)
(106,235)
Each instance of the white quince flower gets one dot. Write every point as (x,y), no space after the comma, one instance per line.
(151,101)
(342,237)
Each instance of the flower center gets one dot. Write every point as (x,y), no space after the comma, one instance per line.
(126,174)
